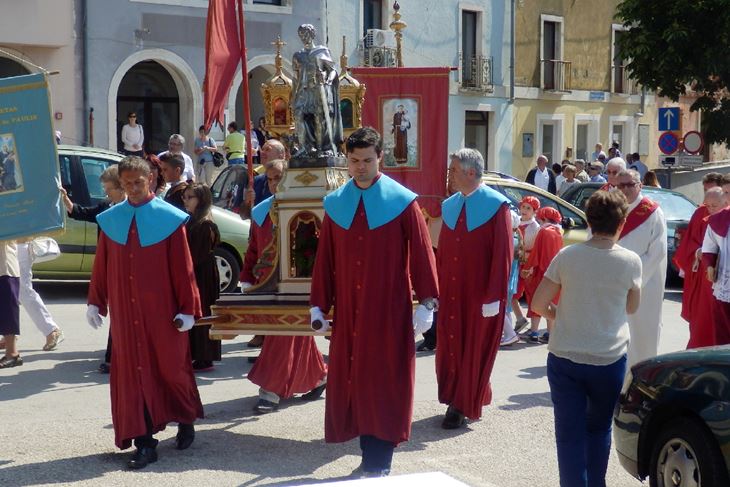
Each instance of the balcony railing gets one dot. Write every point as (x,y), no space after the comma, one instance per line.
(621,81)
(475,73)
(556,75)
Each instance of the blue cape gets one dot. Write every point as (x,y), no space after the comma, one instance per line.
(383,202)
(481,206)
(259,212)
(156,221)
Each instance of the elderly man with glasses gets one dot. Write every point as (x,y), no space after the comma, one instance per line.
(644,232)
(613,168)
(175,146)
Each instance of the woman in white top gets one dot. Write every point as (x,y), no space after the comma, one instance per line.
(132,137)
(587,360)
(9,304)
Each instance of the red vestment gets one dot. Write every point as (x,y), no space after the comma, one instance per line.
(473,270)
(287,364)
(364,273)
(548,243)
(144,288)
(684,259)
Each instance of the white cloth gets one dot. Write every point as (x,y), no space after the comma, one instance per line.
(29,298)
(422,319)
(187,322)
(245,286)
(93,317)
(9,259)
(315,314)
(715,244)
(649,241)
(489,309)
(508,330)
(529,230)
(131,136)
(189,172)
(542,178)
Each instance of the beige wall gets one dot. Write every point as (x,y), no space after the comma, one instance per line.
(37,22)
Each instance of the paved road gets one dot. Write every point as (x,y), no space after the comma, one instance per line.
(55,421)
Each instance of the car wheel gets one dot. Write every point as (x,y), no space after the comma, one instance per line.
(228,269)
(686,454)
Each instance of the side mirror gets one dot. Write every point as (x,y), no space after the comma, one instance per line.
(568,223)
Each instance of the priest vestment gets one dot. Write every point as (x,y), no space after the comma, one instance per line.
(374,245)
(287,365)
(143,276)
(474,262)
(645,233)
(715,253)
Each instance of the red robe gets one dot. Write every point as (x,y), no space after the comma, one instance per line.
(287,364)
(684,259)
(144,288)
(365,274)
(474,270)
(548,243)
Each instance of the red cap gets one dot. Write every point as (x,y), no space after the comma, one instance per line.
(532,201)
(549,214)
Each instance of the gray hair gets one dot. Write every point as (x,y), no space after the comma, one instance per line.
(580,161)
(714,193)
(617,161)
(178,138)
(470,159)
(133,163)
(110,175)
(633,173)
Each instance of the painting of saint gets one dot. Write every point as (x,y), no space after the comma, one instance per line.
(400,132)
(11,179)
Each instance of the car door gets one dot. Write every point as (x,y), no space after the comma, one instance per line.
(90,168)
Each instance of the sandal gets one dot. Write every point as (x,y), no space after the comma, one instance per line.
(53,339)
(7,362)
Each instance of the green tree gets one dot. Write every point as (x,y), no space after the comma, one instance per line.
(676,46)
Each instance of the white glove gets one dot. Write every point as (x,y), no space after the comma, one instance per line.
(93,317)
(316,315)
(187,322)
(245,286)
(491,309)
(422,319)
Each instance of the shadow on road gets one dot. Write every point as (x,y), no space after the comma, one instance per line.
(533,372)
(527,401)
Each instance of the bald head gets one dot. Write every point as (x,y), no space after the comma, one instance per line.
(272,149)
(714,200)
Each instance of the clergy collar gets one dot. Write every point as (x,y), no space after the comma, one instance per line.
(481,206)
(383,201)
(259,212)
(156,220)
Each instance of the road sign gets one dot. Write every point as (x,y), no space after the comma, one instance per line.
(668,119)
(668,143)
(693,142)
(668,161)
(690,160)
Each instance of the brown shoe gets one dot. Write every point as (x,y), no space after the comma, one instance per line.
(53,339)
(256,341)
(7,362)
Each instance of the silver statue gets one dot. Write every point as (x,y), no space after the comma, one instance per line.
(316,99)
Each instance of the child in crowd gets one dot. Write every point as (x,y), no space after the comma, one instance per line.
(569,172)
(548,243)
(528,229)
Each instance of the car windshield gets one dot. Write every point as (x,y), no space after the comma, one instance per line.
(516,193)
(674,206)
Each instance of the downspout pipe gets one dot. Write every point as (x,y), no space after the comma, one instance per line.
(512,52)
(85,70)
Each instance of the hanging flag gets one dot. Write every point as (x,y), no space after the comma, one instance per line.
(222,54)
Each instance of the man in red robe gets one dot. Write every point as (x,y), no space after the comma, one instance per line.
(715,255)
(143,276)
(287,364)
(474,262)
(374,244)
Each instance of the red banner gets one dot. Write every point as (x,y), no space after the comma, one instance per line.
(222,54)
(410,108)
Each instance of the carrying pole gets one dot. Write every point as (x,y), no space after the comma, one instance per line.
(245,93)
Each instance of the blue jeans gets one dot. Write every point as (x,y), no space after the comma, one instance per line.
(583,397)
(377,454)
(238,160)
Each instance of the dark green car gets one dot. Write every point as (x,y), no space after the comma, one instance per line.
(80,171)
(672,421)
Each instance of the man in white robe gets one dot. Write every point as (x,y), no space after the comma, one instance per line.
(645,232)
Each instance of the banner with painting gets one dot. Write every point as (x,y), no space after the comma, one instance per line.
(30,203)
(410,108)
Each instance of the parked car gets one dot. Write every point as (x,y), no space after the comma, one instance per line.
(677,208)
(228,188)
(672,421)
(80,170)
(575,224)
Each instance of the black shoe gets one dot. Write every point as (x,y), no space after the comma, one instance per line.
(256,341)
(265,407)
(453,419)
(8,362)
(104,368)
(315,393)
(202,365)
(426,346)
(142,457)
(185,436)
(252,360)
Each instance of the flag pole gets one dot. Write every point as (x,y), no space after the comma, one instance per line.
(244,93)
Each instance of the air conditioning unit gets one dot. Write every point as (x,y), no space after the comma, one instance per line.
(379,57)
(380,38)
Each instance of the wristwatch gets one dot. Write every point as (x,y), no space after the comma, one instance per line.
(430,303)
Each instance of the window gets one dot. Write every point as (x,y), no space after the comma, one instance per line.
(515,195)
(549,140)
(549,53)
(476,133)
(554,72)
(581,142)
(468,44)
(92,171)
(617,134)
(372,15)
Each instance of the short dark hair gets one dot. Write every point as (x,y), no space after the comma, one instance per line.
(605,211)
(233,125)
(712,177)
(202,127)
(557,168)
(133,163)
(363,138)
(131,114)
(725,179)
(173,160)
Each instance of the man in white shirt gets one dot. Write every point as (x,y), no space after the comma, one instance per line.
(175,147)
(541,176)
(638,165)
(645,232)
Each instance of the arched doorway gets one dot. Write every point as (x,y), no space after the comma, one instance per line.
(149,90)
(10,68)
(256,77)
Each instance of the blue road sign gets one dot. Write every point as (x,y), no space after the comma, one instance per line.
(668,119)
(668,143)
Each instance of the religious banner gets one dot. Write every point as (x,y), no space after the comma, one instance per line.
(410,108)
(30,203)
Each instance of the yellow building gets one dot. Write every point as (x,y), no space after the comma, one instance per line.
(571,89)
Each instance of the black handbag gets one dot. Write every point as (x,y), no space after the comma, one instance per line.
(218,159)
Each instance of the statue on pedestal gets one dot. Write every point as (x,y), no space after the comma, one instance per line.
(316,100)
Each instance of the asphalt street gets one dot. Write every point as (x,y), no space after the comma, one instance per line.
(55,420)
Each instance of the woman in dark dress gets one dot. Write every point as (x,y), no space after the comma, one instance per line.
(203,237)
